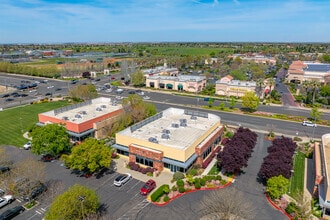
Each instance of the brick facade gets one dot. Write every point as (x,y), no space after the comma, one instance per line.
(155,156)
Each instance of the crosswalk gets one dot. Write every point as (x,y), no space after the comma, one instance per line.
(41,211)
(131,214)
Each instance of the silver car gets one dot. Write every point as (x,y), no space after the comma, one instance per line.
(5,200)
(122,179)
(308,124)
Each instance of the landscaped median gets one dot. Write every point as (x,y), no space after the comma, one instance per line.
(165,194)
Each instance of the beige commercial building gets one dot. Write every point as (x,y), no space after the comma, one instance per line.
(173,139)
(300,71)
(187,83)
(226,86)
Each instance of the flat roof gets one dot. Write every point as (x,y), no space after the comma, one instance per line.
(170,123)
(85,111)
(180,78)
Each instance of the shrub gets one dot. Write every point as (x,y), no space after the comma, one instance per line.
(190,180)
(297,139)
(158,193)
(166,198)
(174,188)
(202,182)
(197,185)
(150,174)
(166,189)
(178,176)
(181,189)
(192,172)
(292,207)
(223,182)
(180,183)
(218,177)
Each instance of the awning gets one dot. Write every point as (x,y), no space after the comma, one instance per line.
(179,163)
(120,147)
(180,86)
(74,134)
(168,85)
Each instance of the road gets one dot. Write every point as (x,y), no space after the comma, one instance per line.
(188,206)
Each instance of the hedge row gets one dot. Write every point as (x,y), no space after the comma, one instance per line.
(159,192)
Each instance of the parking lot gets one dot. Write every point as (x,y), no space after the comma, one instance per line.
(118,201)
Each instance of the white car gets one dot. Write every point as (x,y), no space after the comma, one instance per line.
(121,179)
(119,97)
(28,145)
(50,87)
(146,97)
(108,90)
(5,200)
(308,124)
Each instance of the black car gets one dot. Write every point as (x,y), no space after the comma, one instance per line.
(11,213)
(48,94)
(38,190)
(5,95)
(4,169)
(24,95)
(9,100)
(131,92)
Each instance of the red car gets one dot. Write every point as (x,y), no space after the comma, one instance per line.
(148,187)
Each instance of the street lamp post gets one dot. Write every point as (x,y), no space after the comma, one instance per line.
(82,199)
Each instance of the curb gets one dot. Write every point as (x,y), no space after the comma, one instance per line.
(276,207)
(187,192)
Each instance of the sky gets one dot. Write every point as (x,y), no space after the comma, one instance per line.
(111,21)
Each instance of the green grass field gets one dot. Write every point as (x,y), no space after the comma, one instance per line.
(297,179)
(179,51)
(15,121)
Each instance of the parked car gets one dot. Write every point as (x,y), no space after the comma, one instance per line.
(131,92)
(38,190)
(9,100)
(146,97)
(11,213)
(48,94)
(308,124)
(24,95)
(47,158)
(4,169)
(122,179)
(27,146)
(148,187)
(5,200)
(5,95)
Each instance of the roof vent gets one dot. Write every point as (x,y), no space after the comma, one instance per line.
(83,112)
(153,140)
(77,116)
(98,109)
(103,106)
(65,118)
(193,117)
(165,136)
(175,125)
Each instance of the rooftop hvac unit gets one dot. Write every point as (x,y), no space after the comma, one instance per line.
(65,118)
(165,136)
(153,140)
(182,124)
(98,109)
(193,117)
(83,112)
(175,125)
(183,120)
(103,106)
(77,116)
(166,131)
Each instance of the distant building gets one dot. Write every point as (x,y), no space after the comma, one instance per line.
(174,139)
(87,119)
(211,61)
(161,71)
(226,86)
(256,58)
(187,83)
(300,71)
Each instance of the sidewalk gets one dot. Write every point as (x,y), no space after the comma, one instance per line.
(164,177)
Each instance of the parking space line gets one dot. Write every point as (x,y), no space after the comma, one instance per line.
(132,188)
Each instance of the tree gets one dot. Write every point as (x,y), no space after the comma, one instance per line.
(314,85)
(232,103)
(250,101)
(83,92)
(138,78)
(271,84)
(277,186)
(91,154)
(50,139)
(260,86)
(221,204)
(238,74)
(325,90)
(315,113)
(76,203)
